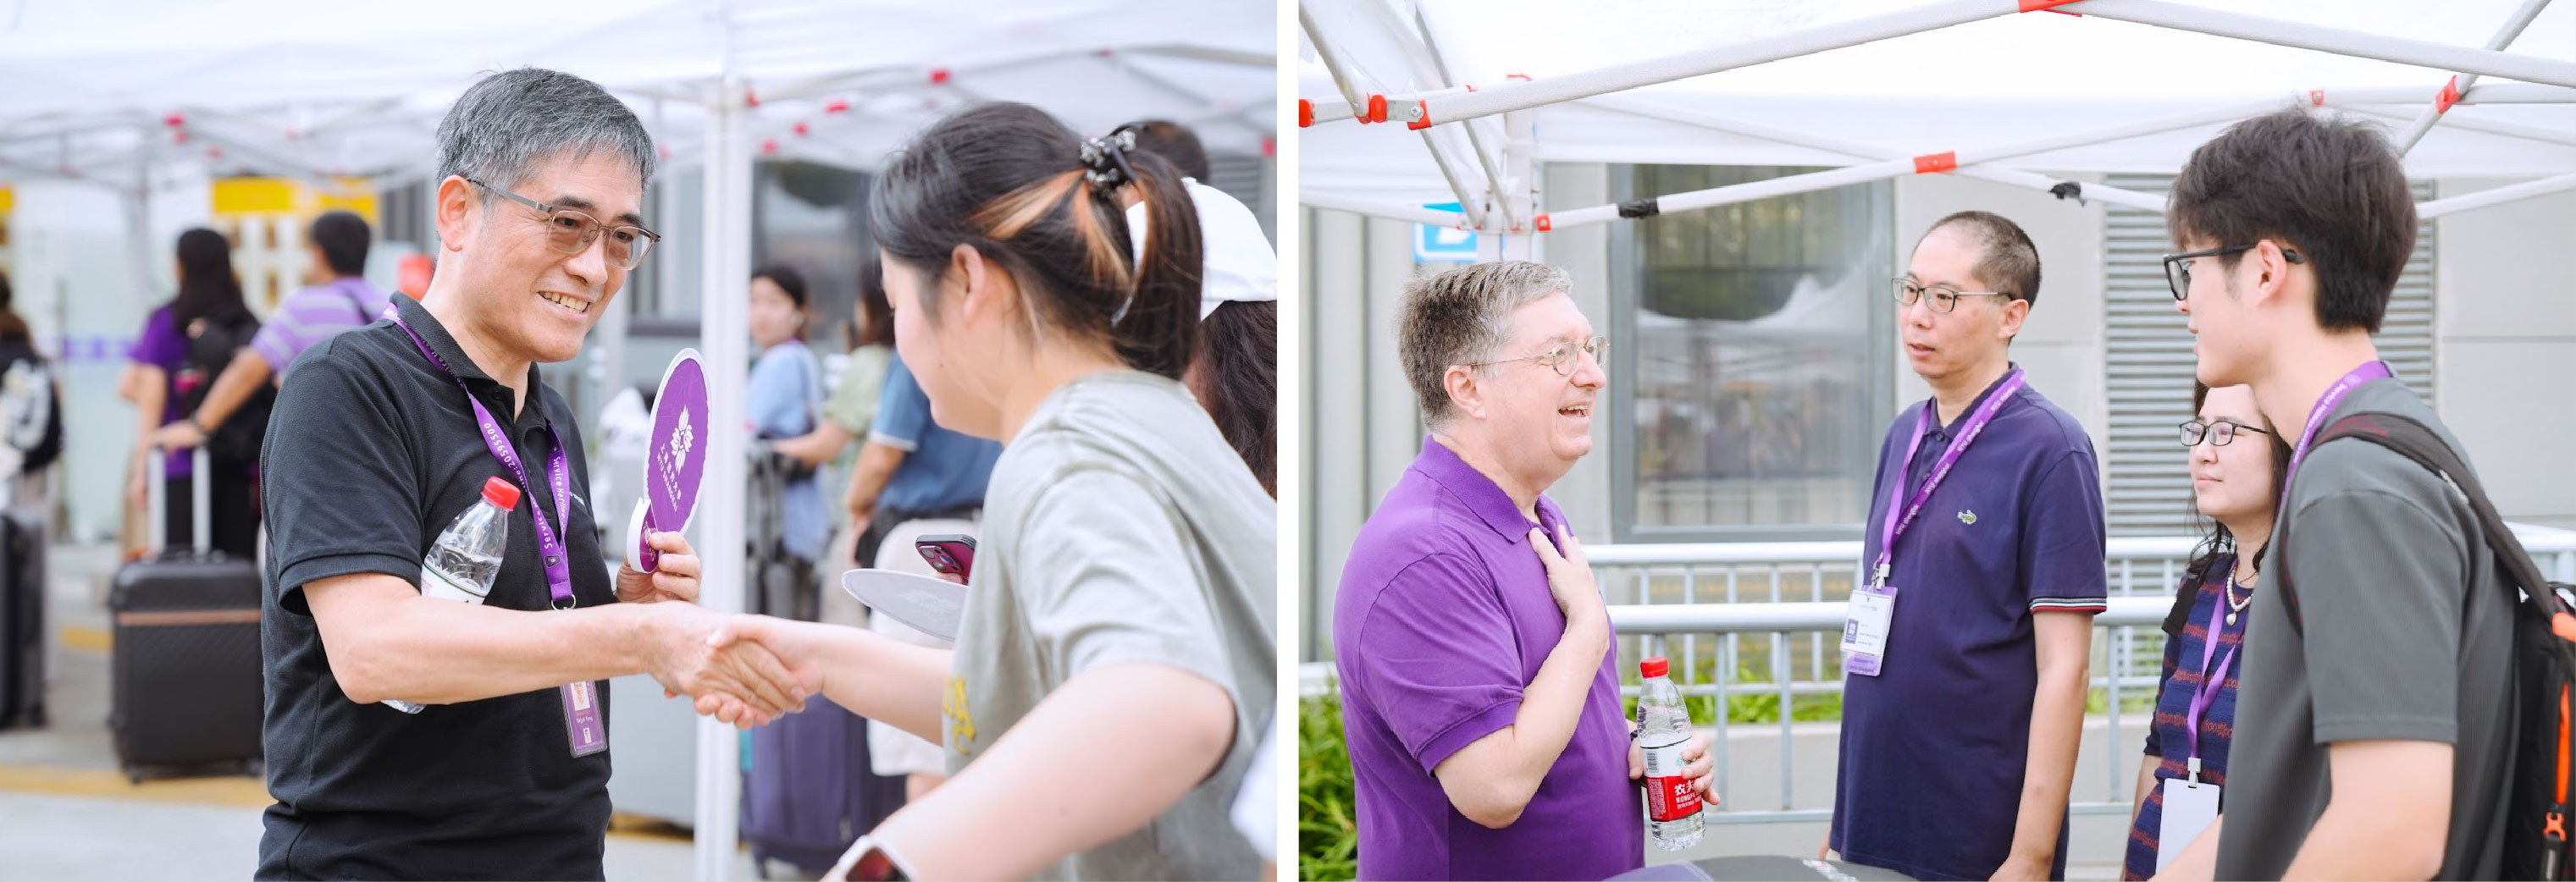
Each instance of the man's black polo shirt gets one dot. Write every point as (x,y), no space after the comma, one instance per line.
(372,451)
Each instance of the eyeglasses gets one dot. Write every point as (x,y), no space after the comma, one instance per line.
(2218,433)
(1559,356)
(571,231)
(1944,297)
(2178,266)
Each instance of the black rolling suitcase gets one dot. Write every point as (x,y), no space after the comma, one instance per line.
(22,619)
(185,651)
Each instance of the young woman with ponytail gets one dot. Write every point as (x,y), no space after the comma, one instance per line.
(1114,669)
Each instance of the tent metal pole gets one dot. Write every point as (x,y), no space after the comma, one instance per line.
(722,329)
(2498,196)
(2357,44)
(2482,93)
(2424,119)
(1332,60)
(1408,213)
(1864,152)
(1475,142)
(1487,101)
(1467,202)
(2525,131)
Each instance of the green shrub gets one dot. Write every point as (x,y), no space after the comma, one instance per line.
(1327,816)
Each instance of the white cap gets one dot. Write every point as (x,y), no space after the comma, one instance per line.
(1240,262)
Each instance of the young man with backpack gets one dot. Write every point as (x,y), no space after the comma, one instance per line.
(2375,728)
(337,299)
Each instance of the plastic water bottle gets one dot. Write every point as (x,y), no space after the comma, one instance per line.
(465,560)
(1672,805)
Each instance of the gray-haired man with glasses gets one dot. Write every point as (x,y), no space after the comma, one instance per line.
(1965,649)
(1479,691)
(397,427)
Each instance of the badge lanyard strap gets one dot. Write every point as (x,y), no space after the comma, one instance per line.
(1893,527)
(2211,679)
(2353,379)
(558,570)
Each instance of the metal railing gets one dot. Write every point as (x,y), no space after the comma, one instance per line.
(1666,599)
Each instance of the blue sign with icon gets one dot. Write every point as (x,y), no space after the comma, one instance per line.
(1433,244)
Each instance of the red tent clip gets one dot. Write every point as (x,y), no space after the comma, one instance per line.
(1544,224)
(1422,116)
(1376,109)
(2316,97)
(938,75)
(2049,6)
(1305,113)
(1521,77)
(2450,95)
(175,119)
(750,98)
(1269,146)
(769,146)
(837,105)
(1936,162)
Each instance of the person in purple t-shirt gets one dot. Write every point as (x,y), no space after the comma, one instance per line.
(158,376)
(1480,697)
(338,299)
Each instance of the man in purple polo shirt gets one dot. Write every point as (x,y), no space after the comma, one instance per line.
(1480,697)
(1962,715)
(338,299)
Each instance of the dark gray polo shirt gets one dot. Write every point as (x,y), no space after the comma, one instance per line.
(372,451)
(2408,638)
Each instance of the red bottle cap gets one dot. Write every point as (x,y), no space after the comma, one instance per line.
(1654,666)
(501,493)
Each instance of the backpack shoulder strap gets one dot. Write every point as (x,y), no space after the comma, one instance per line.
(2417,442)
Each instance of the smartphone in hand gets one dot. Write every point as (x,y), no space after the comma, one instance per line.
(949,553)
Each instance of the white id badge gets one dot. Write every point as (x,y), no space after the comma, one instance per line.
(1865,629)
(2189,809)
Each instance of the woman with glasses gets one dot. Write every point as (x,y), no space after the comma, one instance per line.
(2237,466)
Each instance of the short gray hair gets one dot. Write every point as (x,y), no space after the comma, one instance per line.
(504,125)
(1461,316)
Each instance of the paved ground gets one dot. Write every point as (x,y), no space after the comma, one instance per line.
(67,813)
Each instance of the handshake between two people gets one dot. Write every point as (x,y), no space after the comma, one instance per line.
(745,670)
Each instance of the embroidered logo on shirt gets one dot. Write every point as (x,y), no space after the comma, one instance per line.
(1967,516)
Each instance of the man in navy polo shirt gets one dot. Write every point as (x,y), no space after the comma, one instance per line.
(1479,692)
(1964,659)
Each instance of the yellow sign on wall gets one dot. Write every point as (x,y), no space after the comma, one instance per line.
(266,219)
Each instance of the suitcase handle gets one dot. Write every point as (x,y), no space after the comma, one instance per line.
(200,500)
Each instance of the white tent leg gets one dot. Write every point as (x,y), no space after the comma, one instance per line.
(2357,44)
(723,328)
(2425,118)
(1519,192)
(2497,196)
(1467,201)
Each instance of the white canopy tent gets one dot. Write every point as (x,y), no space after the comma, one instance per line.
(1883,88)
(120,93)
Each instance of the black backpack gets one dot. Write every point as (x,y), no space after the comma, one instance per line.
(219,337)
(2543,662)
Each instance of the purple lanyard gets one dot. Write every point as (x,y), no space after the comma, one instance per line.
(558,572)
(2353,379)
(1893,527)
(2210,679)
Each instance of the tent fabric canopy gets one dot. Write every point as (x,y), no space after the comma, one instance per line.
(300,88)
(1993,82)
